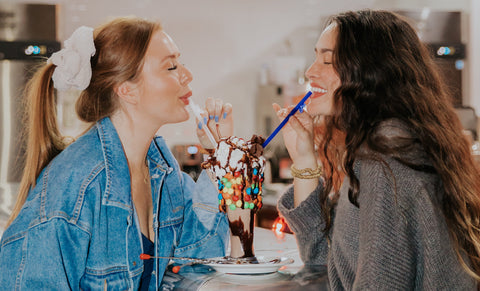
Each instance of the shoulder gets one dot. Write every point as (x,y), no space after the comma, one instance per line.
(80,158)
(75,175)
(69,188)
(75,166)
(86,149)
(395,157)
(395,138)
(390,184)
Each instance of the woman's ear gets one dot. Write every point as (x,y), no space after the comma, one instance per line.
(128,92)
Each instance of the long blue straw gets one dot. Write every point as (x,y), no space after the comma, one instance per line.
(294,110)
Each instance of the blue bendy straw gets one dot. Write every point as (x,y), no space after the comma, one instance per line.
(294,110)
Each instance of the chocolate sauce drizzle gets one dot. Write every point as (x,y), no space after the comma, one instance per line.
(253,151)
(237,228)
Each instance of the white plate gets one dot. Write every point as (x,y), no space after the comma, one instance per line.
(265,265)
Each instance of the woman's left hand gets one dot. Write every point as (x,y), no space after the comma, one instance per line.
(218,117)
(298,137)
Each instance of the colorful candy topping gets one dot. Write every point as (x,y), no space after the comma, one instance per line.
(238,166)
(231,191)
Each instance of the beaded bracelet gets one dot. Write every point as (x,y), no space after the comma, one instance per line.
(306,173)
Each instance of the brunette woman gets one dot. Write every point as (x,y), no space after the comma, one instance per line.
(407,215)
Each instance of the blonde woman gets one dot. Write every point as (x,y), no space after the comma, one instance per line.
(86,211)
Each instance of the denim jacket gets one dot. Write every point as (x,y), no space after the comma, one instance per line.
(79,230)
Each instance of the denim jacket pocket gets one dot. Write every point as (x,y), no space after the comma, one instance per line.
(114,278)
(211,244)
(12,256)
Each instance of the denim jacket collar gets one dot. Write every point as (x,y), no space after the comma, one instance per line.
(161,163)
(116,166)
(164,166)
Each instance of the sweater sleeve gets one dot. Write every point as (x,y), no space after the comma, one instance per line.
(306,221)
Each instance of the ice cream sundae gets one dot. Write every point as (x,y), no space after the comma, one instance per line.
(238,166)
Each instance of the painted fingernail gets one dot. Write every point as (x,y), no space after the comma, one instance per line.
(205,120)
(216,118)
(224,115)
(200,125)
(211,117)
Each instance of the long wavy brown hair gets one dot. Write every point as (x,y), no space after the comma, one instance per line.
(387,72)
(120,46)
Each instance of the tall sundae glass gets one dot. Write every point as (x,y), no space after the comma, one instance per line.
(238,166)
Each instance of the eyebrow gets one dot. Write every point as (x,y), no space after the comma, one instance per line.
(172,56)
(324,50)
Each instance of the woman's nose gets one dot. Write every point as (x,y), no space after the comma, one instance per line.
(186,76)
(311,72)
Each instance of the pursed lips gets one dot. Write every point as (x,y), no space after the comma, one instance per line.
(185,97)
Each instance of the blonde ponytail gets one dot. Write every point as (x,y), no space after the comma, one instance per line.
(44,140)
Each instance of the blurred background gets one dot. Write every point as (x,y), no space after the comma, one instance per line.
(250,53)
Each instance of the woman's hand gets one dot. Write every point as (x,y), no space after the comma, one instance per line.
(218,117)
(298,137)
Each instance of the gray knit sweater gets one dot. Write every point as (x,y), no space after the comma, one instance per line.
(393,241)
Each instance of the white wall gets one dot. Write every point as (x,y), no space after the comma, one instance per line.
(225,42)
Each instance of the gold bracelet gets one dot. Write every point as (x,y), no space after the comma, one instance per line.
(306,173)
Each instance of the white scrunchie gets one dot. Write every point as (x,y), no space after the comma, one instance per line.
(73,61)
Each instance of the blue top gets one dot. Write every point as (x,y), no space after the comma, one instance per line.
(148,248)
(78,228)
